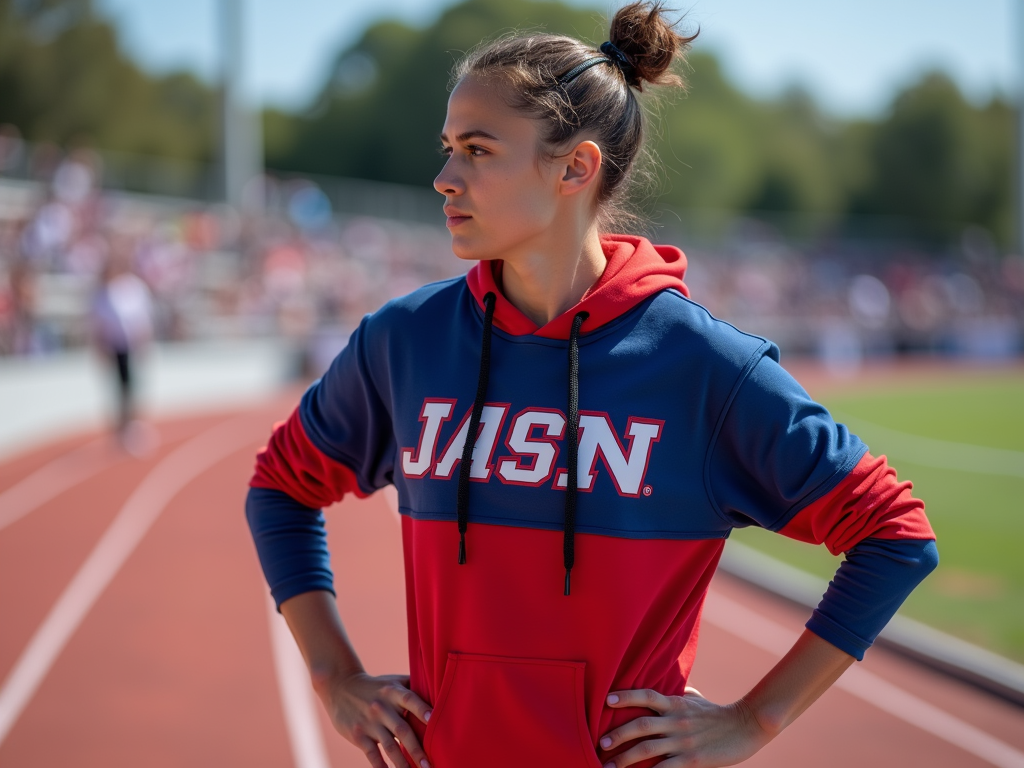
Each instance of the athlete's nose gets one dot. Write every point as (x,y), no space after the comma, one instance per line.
(448,182)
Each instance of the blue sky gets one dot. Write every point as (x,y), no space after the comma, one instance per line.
(851,55)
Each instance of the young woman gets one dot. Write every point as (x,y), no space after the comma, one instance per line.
(557,563)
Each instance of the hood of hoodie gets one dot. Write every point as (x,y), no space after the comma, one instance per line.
(636,270)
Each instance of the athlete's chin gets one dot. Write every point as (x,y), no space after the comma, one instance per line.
(471,247)
(462,252)
(478,245)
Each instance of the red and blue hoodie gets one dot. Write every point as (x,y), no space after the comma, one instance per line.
(546,566)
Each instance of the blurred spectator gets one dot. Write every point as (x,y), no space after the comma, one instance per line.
(24,338)
(76,177)
(122,321)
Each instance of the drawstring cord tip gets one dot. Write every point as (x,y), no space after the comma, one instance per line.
(566,583)
(462,509)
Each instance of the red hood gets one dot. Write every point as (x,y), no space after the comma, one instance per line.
(636,270)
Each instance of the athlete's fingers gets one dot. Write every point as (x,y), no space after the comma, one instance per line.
(390,746)
(372,751)
(402,731)
(403,698)
(635,729)
(645,750)
(642,697)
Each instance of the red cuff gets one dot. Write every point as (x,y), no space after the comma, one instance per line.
(292,464)
(869,502)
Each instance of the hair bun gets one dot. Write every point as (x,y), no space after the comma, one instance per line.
(651,43)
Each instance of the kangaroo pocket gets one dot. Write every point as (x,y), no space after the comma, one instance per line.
(507,712)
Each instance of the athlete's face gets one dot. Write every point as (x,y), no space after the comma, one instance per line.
(501,194)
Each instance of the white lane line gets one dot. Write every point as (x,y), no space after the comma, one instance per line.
(52,479)
(941,454)
(136,517)
(773,637)
(300,713)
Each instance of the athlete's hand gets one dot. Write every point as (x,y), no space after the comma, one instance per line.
(688,731)
(368,712)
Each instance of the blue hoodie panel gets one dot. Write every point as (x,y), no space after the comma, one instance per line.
(739,441)
(777,450)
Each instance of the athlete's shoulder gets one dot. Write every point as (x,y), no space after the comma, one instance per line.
(424,305)
(691,324)
(430,298)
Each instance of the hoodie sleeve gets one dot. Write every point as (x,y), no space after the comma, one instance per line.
(339,440)
(781,462)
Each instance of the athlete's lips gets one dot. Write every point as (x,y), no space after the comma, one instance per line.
(455,216)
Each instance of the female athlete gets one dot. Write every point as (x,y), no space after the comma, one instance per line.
(556,563)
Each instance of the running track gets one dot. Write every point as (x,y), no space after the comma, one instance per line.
(135,628)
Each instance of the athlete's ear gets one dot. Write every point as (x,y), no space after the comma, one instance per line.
(582,167)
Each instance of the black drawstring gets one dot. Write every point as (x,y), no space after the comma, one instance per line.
(474,425)
(569,530)
(571,490)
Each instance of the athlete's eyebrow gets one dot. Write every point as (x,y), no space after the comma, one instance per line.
(476,133)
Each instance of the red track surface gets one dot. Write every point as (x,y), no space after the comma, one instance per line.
(173,663)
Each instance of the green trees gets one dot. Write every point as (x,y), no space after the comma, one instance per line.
(64,79)
(380,113)
(933,165)
(722,150)
(939,162)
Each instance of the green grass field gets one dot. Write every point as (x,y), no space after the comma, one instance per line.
(938,432)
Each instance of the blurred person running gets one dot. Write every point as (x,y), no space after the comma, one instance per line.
(122,323)
(572,439)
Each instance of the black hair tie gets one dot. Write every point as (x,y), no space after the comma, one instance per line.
(620,60)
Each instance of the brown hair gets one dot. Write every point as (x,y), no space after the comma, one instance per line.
(599,101)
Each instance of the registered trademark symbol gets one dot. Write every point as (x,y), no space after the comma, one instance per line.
(648,490)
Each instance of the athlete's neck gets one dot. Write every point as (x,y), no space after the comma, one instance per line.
(543,283)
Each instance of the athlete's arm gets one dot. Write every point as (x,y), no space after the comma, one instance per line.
(781,462)
(865,593)
(335,443)
(691,731)
(366,710)
(292,545)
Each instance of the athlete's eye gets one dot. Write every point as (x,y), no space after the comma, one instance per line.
(443,150)
(475,151)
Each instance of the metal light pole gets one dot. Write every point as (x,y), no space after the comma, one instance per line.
(241,127)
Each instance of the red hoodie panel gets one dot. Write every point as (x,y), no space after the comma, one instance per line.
(636,270)
(869,503)
(291,463)
(499,651)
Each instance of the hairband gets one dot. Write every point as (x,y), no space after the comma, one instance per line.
(612,56)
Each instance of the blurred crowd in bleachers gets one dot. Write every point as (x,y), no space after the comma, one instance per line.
(294,267)
(297,266)
(844,300)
